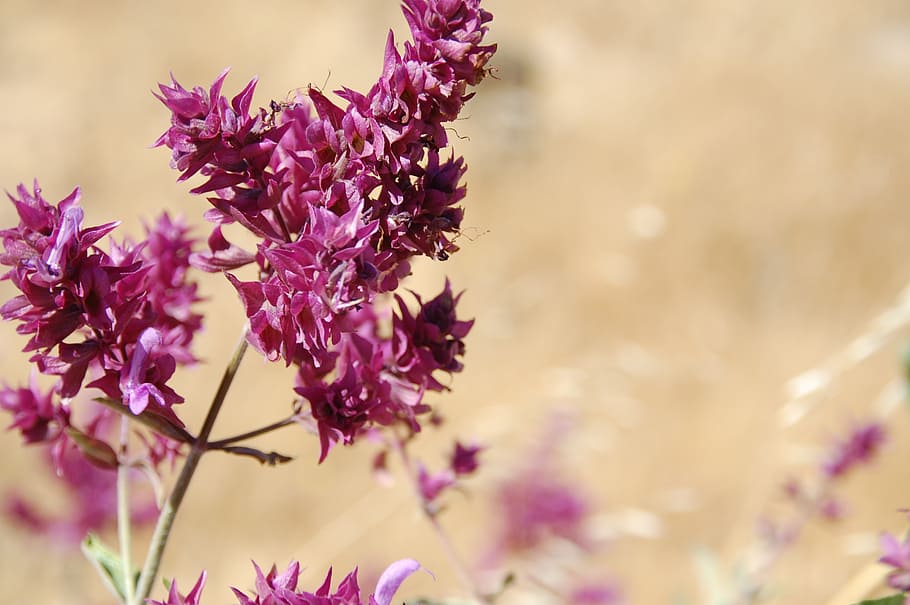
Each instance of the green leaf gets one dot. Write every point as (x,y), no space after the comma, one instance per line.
(155,422)
(96,451)
(895,599)
(108,565)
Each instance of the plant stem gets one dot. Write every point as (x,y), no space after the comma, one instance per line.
(123,514)
(448,547)
(216,445)
(172,504)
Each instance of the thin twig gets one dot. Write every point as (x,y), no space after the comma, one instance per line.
(221,443)
(123,514)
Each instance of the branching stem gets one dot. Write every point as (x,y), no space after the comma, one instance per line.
(172,504)
(461,568)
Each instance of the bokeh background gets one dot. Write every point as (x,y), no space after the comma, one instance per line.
(674,208)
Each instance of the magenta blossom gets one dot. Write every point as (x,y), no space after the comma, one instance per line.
(382,380)
(119,320)
(431,485)
(281,589)
(34,412)
(175,598)
(536,503)
(340,198)
(596,593)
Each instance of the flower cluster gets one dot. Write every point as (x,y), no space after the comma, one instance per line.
(340,199)
(118,321)
(281,589)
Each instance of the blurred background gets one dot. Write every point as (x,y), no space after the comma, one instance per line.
(673,209)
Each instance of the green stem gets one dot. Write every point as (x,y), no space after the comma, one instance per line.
(172,504)
(123,514)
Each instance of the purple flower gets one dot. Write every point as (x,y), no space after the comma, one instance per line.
(341,197)
(860,447)
(35,414)
(171,292)
(464,459)
(281,589)
(124,316)
(379,153)
(175,598)
(431,485)
(379,380)
(221,139)
(534,504)
(52,268)
(897,555)
(595,593)
(341,409)
(430,340)
(136,389)
(453,29)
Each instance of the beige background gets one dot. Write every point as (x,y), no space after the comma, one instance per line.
(674,207)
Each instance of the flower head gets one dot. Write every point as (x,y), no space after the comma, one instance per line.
(340,198)
(281,589)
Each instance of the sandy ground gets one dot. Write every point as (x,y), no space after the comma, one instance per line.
(673,209)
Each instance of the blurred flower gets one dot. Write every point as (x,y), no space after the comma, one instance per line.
(91,499)
(464,459)
(431,485)
(858,448)
(536,502)
(595,593)
(35,414)
(897,555)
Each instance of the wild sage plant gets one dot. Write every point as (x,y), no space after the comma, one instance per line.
(339,198)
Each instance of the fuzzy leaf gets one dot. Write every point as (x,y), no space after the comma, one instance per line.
(96,451)
(108,566)
(157,423)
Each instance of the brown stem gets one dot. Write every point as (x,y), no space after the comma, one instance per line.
(221,443)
